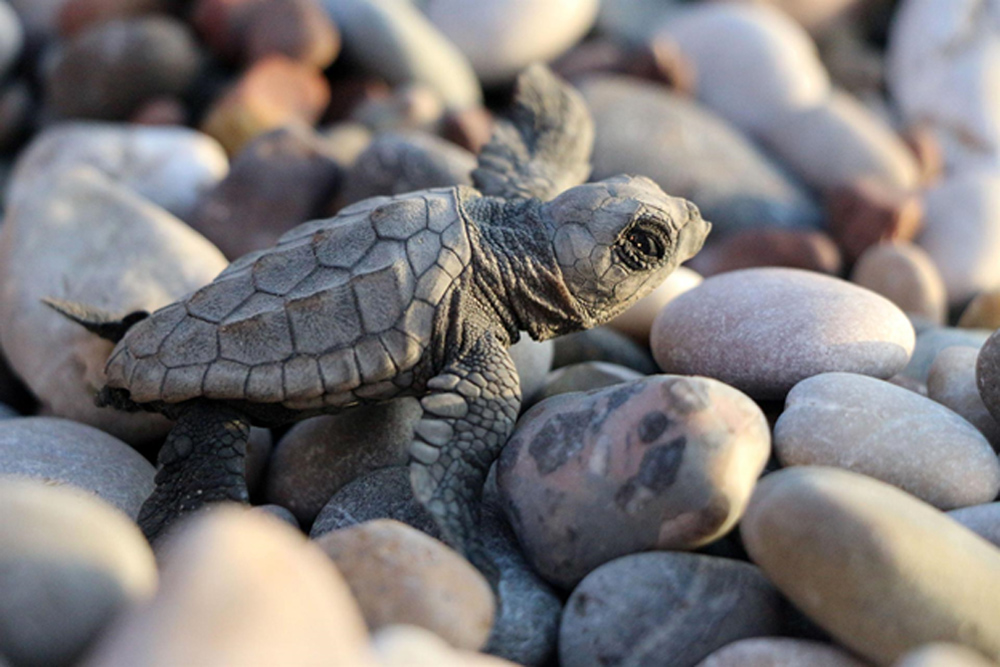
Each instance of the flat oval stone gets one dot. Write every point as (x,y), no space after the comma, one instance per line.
(754,63)
(239,588)
(69,563)
(399,575)
(878,429)
(659,463)
(764,330)
(60,451)
(637,609)
(319,456)
(637,321)
(502,37)
(846,548)
(780,652)
(961,234)
(983,520)
(952,383)
(906,275)
(735,185)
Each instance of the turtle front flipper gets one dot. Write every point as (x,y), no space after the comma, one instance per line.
(468,416)
(201,462)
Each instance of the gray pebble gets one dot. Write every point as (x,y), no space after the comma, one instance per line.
(533,360)
(584,377)
(930,342)
(603,344)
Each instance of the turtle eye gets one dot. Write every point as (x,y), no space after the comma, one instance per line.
(642,247)
(646,244)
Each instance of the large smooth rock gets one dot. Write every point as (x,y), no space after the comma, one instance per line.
(69,564)
(764,330)
(637,321)
(240,589)
(319,456)
(393,39)
(399,575)
(754,64)
(840,141)
(890,433)
(169,166)
(905,274)
(846,548)
(637,609)
(660,463)
(84,238)
(502,37)
(780,652)
(733,183)
(962,232)
(59,451)
(943,58)
(109,70)
(952,383)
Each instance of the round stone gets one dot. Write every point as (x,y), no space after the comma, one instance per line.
(399,575)
(238,588)
(661,463)
(983,520)
(952,383)
(878,429)
(754,63)
(734,184)
(846,548)
(637,609)
(764,330)
(906,275)
(637,321)
(960,233)
(780,652)
(69,563)
(502,37)
(319,456)
(59,451)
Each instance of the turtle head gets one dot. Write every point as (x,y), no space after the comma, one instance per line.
(617,239)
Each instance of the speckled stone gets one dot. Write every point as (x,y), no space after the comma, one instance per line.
(931,342)
(763,330)
(399,575)
(69,564)
(660,463)
(754,64)
(780,652)
(940,654)
(169,166)
(637,321)
(840,141)
(637,609)
(988,374)
(319,456)
(846,548)
(90,240)
(59,451)
(734,184)
(961,234)
(983,520)
(952,383)
(907,276)
(585,377)
(878,429)
(602,344)
(395,40)
(502,37)
(240,589)
(108,70)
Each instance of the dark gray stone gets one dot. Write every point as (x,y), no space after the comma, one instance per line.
(603,344)
(639,609)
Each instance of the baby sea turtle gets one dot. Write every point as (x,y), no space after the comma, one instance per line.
(415,295)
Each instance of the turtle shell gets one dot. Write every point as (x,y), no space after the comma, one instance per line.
(339,309)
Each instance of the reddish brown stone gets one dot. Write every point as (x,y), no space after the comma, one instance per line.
(813,251)
(273,93)
(346,94)
(469,128)
(869,212)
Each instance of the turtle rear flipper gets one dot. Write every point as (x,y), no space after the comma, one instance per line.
(100,322)
(544,147)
